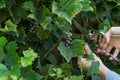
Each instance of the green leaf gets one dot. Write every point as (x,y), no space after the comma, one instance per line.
(4,78)
(66,69)
(3,70)
(42,34)
(45,17)
(11,48)
(3,15)
(29,57)
(74,78)
(56,72)
(3,41)
(15,71)
(22,34)
(77,49)
(29,6)
(65,51)
(67,9)
(10,26)
(9,3)
(17,17)
(9,61)
(32,16)
(90,56)
(28,74)
(86,5)
(104,26)
(2,4)
(52,59)
(94,69)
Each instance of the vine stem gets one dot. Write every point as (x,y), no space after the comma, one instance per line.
(50,50)
(81,70)
(10,12)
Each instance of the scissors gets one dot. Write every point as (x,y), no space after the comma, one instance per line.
(96,37)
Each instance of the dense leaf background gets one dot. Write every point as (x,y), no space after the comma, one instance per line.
(41,39)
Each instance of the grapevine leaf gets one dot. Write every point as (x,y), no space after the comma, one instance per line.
(29,6)
(29,74)
(77,49)
(11,48)
(104,26)
(3,41)
(66,69)
(45,17)
(56,72)
(3,70)
(86,5)
(94,69)
(15,71)
(3,15)
(90,57)
(67,9)
(74,78)
(29,57)
(52,59)
(10,26)
(9,3)
(65,51)
(17,17)
(40,33)
(2,4)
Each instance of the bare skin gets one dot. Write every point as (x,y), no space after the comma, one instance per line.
(87,63)
(109,42)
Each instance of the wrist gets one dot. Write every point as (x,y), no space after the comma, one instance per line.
(103,71)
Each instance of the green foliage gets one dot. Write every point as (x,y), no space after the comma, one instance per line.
(3,70)
(69,9)
(29,28)
(76,49)
(94,69)
(74,77)
(29,57)
(3,41)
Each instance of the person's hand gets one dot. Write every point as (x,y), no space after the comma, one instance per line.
(85,64)
(109,42)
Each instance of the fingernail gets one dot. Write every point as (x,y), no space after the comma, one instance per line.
(111,58)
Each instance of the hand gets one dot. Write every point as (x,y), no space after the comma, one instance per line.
(109,42)
(85,64)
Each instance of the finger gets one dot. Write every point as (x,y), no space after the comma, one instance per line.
(87,49)
(103,51)
(105,46)
(115,54)
(109,48)
(107,37)
(99,50)
(102,42)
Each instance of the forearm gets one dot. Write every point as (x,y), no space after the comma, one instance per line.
(107,74)
(103,71)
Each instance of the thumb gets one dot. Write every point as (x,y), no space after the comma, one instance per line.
(87,49)
(107,37)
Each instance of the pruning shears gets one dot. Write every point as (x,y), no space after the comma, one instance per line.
(97,37)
